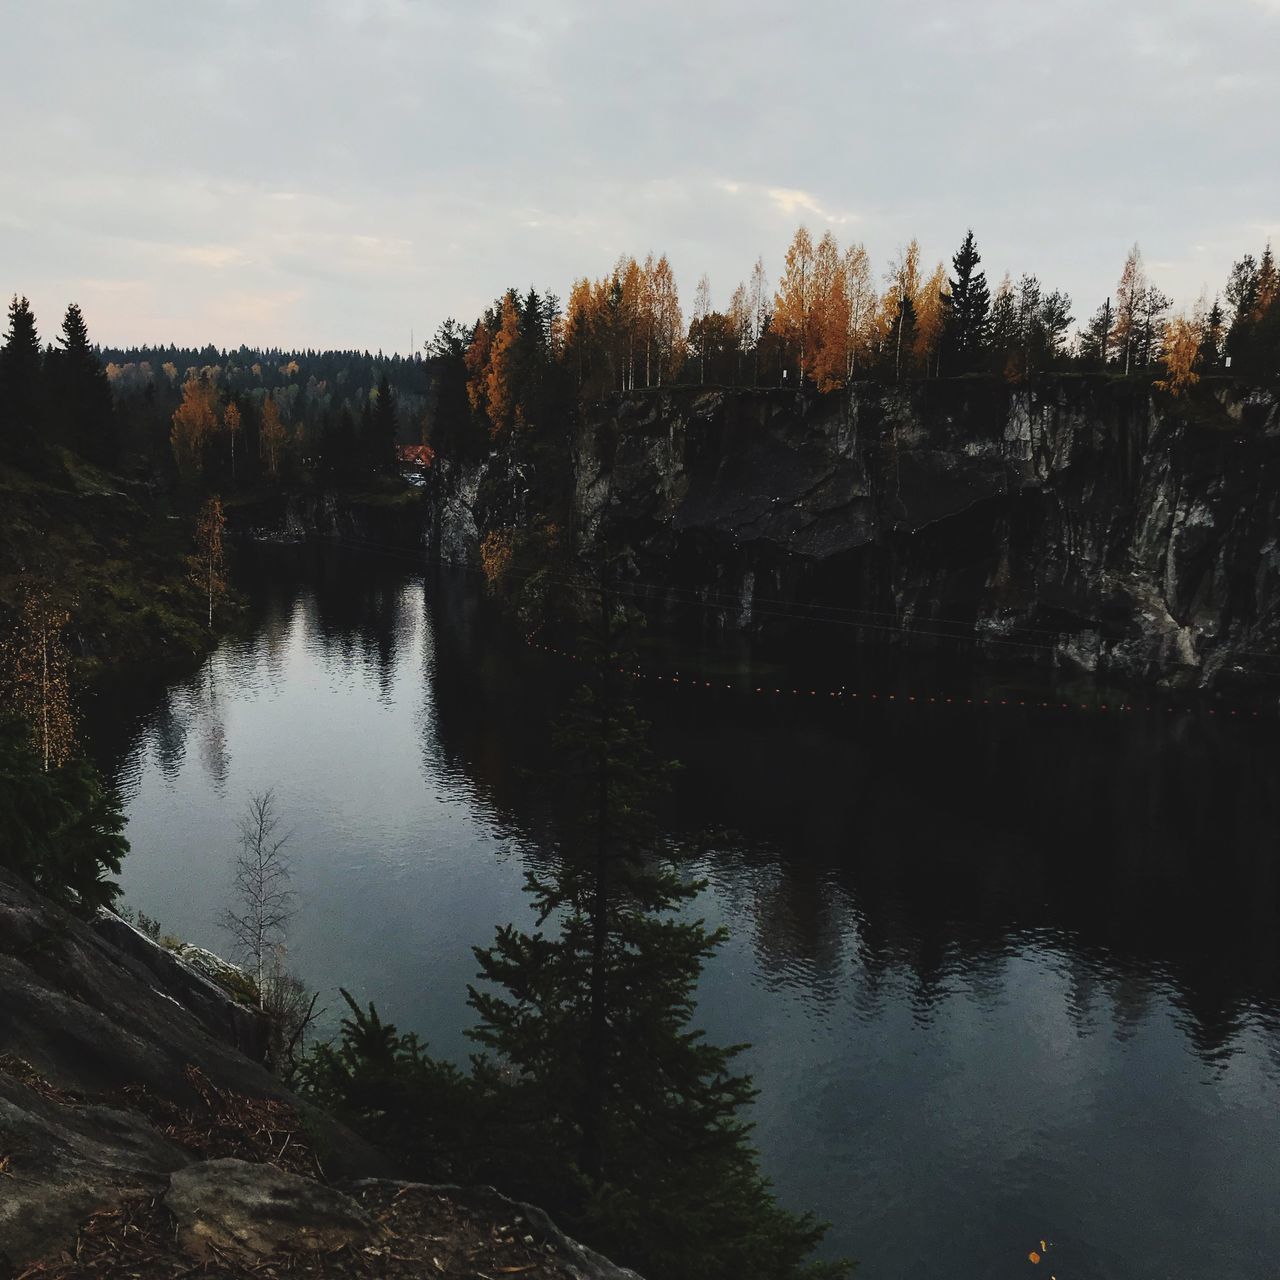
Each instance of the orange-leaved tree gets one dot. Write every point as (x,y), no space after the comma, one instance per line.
(793,303)
(1182,341)
(194,421)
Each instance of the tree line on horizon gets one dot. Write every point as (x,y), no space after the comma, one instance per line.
(215,418)
(827,323)
(205,418)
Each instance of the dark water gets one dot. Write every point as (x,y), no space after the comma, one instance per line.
(1008,974)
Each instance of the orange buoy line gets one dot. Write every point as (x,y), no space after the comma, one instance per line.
(849,697)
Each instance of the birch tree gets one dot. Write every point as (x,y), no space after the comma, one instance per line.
(34,663)
(758,302)
(231,425)
(701,310)
(208,565)
(263,901)
(903,279)
(860,307)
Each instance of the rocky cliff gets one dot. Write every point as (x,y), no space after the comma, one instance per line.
(1087,522)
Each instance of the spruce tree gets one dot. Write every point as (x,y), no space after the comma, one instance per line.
(623,1119)
(80,395)
(1211,336)
(970,304)
(20,364)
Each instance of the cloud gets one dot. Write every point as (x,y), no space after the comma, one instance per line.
(790,201)
(214,256)
(458,151)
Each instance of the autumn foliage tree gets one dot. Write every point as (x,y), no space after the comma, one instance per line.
(1181,353)
(195,421)
(829,316)
(793,301)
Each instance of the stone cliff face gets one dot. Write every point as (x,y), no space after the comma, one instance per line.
(1090,523)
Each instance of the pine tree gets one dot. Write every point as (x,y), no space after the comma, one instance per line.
(969,309)
(20,366)
(1055,320)
(632,1120)
(1095,342)
(1151,325)
(1251,293)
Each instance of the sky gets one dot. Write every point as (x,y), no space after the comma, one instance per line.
(348,173)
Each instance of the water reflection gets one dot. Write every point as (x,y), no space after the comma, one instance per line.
(1005,972)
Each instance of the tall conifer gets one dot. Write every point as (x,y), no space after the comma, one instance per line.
(634,1118)
(969,308)
(20,364)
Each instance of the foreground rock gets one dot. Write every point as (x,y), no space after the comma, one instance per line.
(108,1083)
(136,1140)
(249,1211)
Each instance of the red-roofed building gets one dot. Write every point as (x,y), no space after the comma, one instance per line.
(416,455)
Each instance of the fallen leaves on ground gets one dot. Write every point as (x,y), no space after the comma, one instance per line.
(422,1233)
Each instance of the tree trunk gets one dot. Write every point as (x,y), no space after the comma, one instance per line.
(592,1156)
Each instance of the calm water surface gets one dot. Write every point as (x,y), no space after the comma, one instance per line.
(1007,975)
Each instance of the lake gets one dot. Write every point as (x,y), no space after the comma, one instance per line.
(1009,973)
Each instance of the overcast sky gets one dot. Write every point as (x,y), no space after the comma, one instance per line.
(340,173)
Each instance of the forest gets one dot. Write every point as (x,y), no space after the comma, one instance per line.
(218,420)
